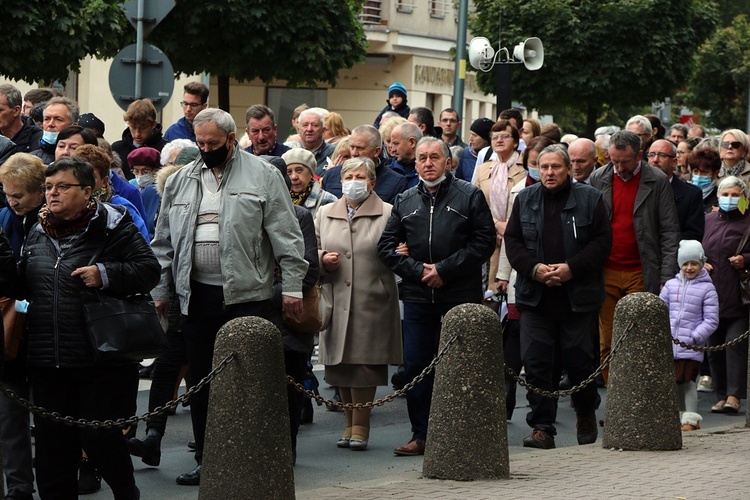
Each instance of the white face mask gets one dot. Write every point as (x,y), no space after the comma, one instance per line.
(144,180)
(435,183)
(356,191)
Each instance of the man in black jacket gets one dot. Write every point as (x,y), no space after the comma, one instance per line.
(448,229)
(22,130)
(558,239)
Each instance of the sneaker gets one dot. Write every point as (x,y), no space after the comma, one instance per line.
(539,439)
(705,384)
(586,430)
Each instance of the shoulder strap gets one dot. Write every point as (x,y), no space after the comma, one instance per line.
(488,155)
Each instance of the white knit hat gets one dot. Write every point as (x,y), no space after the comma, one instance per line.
(690,250)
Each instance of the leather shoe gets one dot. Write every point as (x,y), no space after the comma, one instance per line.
(539,439)
(192,478)
(410,449)
(358,444)
(148,448)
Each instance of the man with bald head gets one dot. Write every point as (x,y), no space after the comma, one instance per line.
(583,159)
(687,198)
(404,140)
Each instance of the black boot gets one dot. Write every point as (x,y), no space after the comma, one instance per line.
(148,448)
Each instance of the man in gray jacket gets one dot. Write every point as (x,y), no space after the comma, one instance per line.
(225,220)
(645,231)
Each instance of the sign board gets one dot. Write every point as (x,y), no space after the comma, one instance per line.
(157,76)
(153,13)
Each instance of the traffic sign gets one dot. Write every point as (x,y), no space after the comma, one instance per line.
(157,76)
(153,12)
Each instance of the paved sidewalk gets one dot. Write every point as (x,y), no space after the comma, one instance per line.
(709,465)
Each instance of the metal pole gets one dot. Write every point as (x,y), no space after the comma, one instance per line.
(139,51)
(459,76)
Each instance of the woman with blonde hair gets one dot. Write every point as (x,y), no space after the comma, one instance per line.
(335,129)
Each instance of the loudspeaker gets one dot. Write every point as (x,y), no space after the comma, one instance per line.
(481,53)
(530,52)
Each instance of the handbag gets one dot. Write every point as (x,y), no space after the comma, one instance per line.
(122,329)
(308,321)
(325,304)
(744,274)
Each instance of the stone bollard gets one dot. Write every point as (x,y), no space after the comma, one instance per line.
(248,451)
(468,432)
(642,409)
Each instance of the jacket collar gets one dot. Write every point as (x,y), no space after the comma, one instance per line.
(371,207)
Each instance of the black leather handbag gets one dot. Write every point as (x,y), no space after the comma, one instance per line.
(124,329)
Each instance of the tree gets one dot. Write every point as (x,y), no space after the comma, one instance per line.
(299,42)
(720,83)
(43,40)
(597,53)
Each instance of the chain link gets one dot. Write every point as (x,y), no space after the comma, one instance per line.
(120,422)
(590,380)
(714,348)
(378,402)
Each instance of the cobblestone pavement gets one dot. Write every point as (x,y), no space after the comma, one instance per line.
(710,465)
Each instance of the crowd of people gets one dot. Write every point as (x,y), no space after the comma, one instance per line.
(402,219)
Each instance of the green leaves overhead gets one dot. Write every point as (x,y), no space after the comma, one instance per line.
(42,40)
(300,42)
(619,53)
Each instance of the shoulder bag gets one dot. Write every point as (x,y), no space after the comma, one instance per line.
(308,321)
(744,274)
(122,330)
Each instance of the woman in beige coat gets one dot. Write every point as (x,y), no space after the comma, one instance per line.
(365,332)
(496,178)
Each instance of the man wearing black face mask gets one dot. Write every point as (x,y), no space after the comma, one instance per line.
(219,271)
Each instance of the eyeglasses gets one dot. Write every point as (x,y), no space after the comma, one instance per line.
(193,105)
(61,188)
(501,137)
(734,144)
(660,155)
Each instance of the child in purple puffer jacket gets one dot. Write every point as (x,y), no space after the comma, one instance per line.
(693,316)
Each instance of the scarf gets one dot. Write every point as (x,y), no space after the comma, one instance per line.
(499,186)
(57,228)
(105,193)
(299,198)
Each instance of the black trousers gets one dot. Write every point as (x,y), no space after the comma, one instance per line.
(206,315)
(542,337)
(164,378)
(92,393)
(295,364)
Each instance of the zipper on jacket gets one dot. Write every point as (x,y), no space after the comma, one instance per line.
(409,215)
(451,209)
(54,312)
(429,246)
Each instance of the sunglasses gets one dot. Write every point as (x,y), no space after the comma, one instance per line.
(734,144)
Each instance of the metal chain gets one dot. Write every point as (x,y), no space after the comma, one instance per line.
(120,422)
(590,380)
(719,347)
(378,402)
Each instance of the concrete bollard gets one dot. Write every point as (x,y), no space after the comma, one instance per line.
(642,411)
(248,451)
(468,432)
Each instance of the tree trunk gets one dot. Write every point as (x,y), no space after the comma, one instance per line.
(592,114)
(224,93)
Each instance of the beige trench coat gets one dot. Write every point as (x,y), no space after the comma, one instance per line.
(366,323)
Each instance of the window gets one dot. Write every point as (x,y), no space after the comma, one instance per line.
(440,8)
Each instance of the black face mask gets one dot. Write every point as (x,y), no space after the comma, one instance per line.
(216,157)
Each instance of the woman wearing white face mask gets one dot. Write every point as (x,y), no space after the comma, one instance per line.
(721,239)
(144,163)
(365,332)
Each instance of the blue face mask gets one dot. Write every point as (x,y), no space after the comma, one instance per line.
(701,181)
(534,173)
(49,137)
(728,203)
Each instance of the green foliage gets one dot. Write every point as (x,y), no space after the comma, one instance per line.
(300,42)
(42,40)
(598,54)
(722,76)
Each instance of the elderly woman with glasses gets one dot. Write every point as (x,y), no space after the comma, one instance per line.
(496,178)
(57,270)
